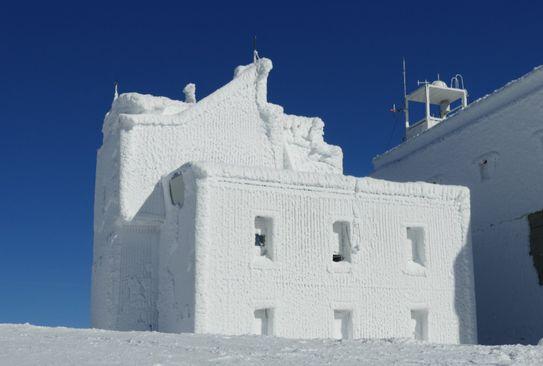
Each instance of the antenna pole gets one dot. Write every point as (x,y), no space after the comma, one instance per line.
(405,104)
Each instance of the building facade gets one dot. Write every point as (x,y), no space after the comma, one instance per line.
(229,216)
(495,148)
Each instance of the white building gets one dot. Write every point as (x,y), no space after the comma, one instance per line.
(494,147)
(229,216)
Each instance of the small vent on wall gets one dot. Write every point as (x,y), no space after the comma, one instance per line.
(486,165)
(342,324)
(262,322)
(419,324)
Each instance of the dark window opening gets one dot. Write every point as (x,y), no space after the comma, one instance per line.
(337,257)
(536,242)
(263,237)
(260,240)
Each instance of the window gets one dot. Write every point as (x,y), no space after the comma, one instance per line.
(536,242)
(177,189)
(487,165)
(342,324)
(484,168)
(262,322)
(415,237)
(342,242)
(263,236)
(419,324)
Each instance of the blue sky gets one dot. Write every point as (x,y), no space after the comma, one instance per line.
(337,60)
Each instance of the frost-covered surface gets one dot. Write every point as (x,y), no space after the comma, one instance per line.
(380,284)
(305,146)
(485,106)
(190,266)
(495,148)
(147,137)
(26,345)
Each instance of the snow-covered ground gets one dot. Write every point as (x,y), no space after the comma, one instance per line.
(31,345)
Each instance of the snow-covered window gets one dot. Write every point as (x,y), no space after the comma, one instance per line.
(177,189)
(415,238)
(263,237)
(342,241)
(419,324)
(262,322)
(342,324)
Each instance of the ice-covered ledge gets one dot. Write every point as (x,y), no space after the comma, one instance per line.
(334,182)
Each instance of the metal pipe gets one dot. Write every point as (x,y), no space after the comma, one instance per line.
(405,102)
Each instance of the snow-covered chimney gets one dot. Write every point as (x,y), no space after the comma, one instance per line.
(190,93)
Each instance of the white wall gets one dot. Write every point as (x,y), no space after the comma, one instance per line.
(506,129)
(177,261)
(106,240)
(301,283)
(145,139)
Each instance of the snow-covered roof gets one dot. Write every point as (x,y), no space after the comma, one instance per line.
(300,137)
(492,103)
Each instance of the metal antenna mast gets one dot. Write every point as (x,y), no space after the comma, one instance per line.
(405,105)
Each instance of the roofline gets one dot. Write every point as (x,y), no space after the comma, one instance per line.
(323,181)
(255,73)
(488,105)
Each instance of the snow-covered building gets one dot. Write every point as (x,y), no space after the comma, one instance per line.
(229,216)
(494,146)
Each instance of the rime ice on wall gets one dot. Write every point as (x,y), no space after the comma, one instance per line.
(493,147)
(305,149)
(296,286)
(270,185)
(146,138)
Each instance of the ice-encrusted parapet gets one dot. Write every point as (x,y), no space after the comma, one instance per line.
(148,137)
(305,147)
(135,103)
(296,142)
